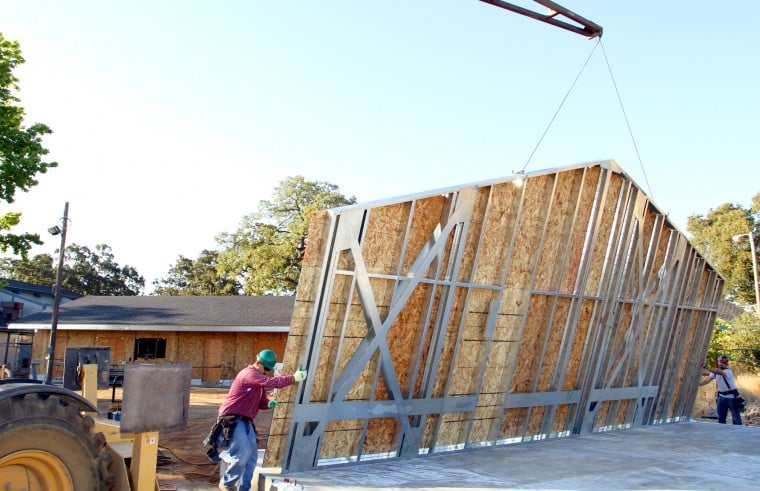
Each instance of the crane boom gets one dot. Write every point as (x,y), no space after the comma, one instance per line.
(581,25)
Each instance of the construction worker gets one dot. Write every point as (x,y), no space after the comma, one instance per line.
(246,397)
(727,392)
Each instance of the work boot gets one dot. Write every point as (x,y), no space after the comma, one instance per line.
(222,487)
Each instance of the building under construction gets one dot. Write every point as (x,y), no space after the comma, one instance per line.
(546,305)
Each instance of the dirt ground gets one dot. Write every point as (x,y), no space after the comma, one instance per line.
(182,462)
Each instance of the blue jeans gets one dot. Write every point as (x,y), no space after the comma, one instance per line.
(240,457)
(724,404)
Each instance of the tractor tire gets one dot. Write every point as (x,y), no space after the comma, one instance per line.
(47,444)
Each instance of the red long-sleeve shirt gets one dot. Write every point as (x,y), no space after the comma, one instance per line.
(247,394)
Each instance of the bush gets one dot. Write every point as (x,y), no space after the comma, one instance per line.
(740,340)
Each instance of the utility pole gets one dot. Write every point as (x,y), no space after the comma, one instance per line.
(57,292)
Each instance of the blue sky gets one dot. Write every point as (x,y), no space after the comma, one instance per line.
(173,119)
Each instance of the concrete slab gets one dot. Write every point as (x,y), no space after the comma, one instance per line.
(691,455)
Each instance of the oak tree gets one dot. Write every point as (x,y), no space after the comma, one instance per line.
(266,250)
(85,272)
(196,277)
(21,150)
(713,236)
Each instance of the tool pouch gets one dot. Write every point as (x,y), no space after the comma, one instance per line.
(219,436)
(227,424)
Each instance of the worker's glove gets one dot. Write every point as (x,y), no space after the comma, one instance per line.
(300,375)
(272,404)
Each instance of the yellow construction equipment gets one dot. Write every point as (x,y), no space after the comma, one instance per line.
(52,438)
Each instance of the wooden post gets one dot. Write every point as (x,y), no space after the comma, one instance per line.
(90,383)
(142,470)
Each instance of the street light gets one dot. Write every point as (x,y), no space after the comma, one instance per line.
(736,239)
(56,230)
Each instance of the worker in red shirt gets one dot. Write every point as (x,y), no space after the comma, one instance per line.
(246,397)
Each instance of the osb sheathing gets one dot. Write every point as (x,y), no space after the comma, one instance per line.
(491,314)
(237,349)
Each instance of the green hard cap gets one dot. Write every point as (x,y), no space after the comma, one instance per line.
(267,358)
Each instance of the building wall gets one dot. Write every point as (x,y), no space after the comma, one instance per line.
(214,356)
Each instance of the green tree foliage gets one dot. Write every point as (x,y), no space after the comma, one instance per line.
(196,277)
(39,270)
(738,338)
(744,339)
(265,252)
(21,150)
(84,272)
(712,236)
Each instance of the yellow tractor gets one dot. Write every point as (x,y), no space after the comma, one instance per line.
(52,438)
(47,442)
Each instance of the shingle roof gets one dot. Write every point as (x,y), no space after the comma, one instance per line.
(32,288)
(172,311)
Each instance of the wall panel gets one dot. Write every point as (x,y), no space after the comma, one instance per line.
(491,314)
